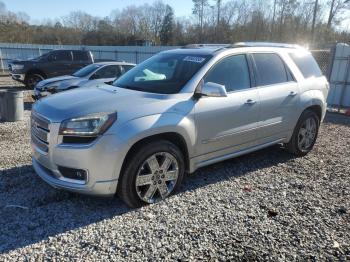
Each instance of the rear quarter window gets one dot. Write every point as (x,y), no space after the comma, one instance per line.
(306,64)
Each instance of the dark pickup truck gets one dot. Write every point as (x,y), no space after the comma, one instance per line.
(52,64)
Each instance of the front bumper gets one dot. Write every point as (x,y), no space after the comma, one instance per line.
(101,159)
(104,188)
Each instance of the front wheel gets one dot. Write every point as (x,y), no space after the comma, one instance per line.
(32,80)
(153,173)
(305,134)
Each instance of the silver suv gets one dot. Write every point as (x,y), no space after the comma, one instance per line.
(174,113)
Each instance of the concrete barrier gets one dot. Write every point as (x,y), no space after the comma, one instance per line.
(11,106)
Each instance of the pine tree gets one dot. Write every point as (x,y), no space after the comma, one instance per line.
(167,30)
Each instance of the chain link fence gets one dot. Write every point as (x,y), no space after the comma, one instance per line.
(324,60)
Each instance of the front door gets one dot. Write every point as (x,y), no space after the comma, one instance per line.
(227,124)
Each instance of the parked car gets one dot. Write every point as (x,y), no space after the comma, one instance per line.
(51,64)
(91,75)
(140,136)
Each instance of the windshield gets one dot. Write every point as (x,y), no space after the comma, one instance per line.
(86,70)
(40,57)
(163,73)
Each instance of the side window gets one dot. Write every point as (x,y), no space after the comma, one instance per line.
(271,69)
(60,56)
(80,56)
(306,64)
(232,72)
(111,71)
(126,68)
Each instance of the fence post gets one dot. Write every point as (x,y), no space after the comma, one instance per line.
(116,55)
(136,57)
(2,61)
(39,51)
(331,62)
(346,75)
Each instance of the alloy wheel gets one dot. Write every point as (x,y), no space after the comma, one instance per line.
(157,177)
(307,134)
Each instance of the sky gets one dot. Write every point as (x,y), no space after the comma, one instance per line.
(39,10)
(43,9)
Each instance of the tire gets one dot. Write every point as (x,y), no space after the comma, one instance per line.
(296,145)
(139,180)
(32,80)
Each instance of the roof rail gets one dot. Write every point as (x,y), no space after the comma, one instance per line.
(266,44)
(213,46)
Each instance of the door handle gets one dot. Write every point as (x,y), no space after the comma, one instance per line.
(250,102)
(293,93)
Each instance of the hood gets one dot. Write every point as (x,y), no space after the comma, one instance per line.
(21,61)
(24,61)
(129,104)
(50,81)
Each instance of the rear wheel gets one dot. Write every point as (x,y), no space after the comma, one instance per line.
(305,134)
(153,173)
(32,80)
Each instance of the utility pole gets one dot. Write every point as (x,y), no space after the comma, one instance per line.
(314,22)
(273,19)
(219,12)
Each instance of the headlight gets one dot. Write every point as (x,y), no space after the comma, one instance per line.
(17,67)
(91,125)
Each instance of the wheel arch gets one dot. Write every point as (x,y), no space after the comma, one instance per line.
(314,100)
(35,71)
(317,109)
(172,137)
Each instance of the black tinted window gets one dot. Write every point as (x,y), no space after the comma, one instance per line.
(111,71)
(271,69)
(306,64)
(81,56)
(126,68)
(232,72)
(61,56)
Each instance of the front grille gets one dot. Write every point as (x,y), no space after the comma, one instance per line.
(40,131)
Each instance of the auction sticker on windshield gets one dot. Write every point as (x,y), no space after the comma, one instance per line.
(195,59)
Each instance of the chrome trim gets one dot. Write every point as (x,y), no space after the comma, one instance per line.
(237,153)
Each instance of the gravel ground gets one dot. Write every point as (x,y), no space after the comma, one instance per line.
(262,206)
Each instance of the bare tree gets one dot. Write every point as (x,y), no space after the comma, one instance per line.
(198,10)
(314,21)
(336,8)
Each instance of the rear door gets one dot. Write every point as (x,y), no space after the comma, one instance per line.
(279,96)
(58,63)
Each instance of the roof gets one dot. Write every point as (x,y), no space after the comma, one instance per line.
(191,51)
(113,63)
(213,48)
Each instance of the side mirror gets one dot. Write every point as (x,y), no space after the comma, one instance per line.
(213,90)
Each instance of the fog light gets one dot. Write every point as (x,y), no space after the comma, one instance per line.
(72,173)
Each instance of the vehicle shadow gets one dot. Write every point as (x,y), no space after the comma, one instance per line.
(31,211)
(337,118)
